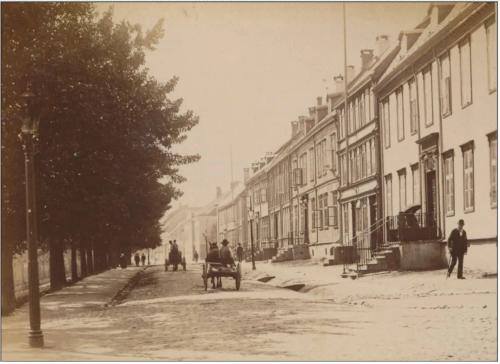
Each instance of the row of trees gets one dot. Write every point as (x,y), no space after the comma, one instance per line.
(106,172)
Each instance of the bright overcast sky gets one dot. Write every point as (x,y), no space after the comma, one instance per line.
(248,69)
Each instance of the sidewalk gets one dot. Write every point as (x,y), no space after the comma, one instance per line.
(375,289)
(61,310)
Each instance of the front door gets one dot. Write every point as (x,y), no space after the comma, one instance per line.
(373,218)
(430,188)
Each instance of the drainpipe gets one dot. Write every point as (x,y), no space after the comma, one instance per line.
(420,169)
(346,114)
(442,218)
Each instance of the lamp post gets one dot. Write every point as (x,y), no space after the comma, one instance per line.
(29,136)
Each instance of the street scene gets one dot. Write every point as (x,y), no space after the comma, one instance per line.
(249,181)
(169,316)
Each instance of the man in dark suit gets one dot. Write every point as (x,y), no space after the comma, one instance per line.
(457,245)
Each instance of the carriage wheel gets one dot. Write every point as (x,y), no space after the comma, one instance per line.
(238,277)
(204,275)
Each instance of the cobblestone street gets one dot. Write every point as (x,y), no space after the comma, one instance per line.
(169,316)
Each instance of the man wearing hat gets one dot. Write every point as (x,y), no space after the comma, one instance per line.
(226,257)
(457,245)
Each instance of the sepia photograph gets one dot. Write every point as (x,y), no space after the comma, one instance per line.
(249,181)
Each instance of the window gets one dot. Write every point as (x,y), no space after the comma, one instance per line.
(400,115)
(311,164)
(413,106)
(388,195)
(367,105)
(362,115)
(346,221)
(465,72)
(415,176)
(313,213)
(402,189)
(445,85)
(333,144)
(468,163)
(449,184)
(387,123)
(320,212)
(373,157)
(326,218)
(335,207)
(491,49)
(303,166)
(428,96)
(493,169)
(342,122)
(343,169)
(351,118)
(324,166)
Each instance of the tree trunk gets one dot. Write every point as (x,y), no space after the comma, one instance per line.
(83,260)
(8,294)
(90,262)
(57,271)
(74,268)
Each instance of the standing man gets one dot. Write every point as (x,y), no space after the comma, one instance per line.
(239,253)
(457,245)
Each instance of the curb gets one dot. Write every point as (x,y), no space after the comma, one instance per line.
(123,293)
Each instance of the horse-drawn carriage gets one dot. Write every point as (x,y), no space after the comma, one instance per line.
(216,271)
(175,259)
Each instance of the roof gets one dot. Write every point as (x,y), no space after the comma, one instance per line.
(429,33)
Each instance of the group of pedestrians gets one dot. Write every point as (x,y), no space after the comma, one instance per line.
(138,259)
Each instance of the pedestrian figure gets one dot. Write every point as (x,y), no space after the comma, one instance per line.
(226,258)
(239,253)
(123,261)
(143,259)
(195,256)
(137,259)
(457,245)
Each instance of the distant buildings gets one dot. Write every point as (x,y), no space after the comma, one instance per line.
(388,179)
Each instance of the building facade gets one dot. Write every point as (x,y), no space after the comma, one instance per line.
(439,125)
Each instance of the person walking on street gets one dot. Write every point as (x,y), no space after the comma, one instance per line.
(457,245)
(143,259)
(239,253)
(137,259)
(195,256)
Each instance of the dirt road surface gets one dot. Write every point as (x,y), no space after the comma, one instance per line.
(169,316)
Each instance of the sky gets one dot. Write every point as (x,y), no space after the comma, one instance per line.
(249,69)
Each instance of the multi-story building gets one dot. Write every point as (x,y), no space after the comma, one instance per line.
(257,204)
(279,190)
(439,127)
(232,216)
(358,151)
(314,164)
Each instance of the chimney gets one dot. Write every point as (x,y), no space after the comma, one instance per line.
(350,73)
(255,167)
(295,128)
(246,174)
(309,124)
(339,83)
(382,43)
(218,192)
(366,58)
(302,124)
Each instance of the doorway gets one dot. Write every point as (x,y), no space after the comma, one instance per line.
(431,196)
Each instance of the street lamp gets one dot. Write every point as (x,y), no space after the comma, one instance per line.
(29,136)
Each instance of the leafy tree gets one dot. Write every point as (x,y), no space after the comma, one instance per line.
(106,134)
